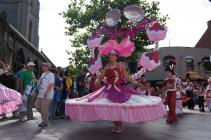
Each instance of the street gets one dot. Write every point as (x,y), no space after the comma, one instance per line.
(117,60)
(193,125)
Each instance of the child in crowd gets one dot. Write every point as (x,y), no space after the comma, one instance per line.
(208,99)
(208,94)
(179,106)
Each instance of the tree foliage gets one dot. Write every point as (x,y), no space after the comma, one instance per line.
(79,59)
(84,16)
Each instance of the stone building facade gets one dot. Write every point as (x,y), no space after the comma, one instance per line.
(15,49)
(195,61)
(23,15)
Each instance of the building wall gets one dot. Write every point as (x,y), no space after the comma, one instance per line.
(180,54)
(10,10)
(22,13)
(16,50)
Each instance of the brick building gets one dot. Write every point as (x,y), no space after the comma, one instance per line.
(205,40)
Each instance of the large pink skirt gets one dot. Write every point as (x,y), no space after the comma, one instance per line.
(9,100)
(97,106)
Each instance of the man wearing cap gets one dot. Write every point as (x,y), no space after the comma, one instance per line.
(27,79)
(45,94)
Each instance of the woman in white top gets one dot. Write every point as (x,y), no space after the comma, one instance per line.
(208,94)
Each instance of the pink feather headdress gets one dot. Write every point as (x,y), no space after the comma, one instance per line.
(124,49)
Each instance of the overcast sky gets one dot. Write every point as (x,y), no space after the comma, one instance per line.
(187,23)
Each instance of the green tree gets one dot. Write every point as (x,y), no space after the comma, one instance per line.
(78,60)
(74,70)
(84,16)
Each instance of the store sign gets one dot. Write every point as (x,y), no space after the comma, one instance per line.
(194,75)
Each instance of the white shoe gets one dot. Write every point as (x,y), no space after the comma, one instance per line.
(114,130)
(119,129)
(22,119)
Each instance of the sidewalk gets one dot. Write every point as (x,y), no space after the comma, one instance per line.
(193,126)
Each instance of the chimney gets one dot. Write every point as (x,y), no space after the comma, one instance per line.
(209,24)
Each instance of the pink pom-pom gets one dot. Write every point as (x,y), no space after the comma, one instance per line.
(149,60)
(157,32)
(94,42)
(94,68)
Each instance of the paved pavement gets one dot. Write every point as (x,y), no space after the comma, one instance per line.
(192,126)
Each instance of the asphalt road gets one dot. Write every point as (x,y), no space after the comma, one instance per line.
(192,126)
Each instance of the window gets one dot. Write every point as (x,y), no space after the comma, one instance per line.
(31,3)
(37,68)
(4,15)
(28,60)
(30,31)
(20,58)
(206,63)
(168,58)
(189,63)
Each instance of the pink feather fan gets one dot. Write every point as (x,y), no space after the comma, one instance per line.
(125,48)
(107,47)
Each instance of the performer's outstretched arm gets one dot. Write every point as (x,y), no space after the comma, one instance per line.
(130,79)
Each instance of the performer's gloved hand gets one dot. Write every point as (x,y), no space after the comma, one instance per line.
(141,86)
(97,83)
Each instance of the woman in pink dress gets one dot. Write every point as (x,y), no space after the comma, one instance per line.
(115,101)
(9,100)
